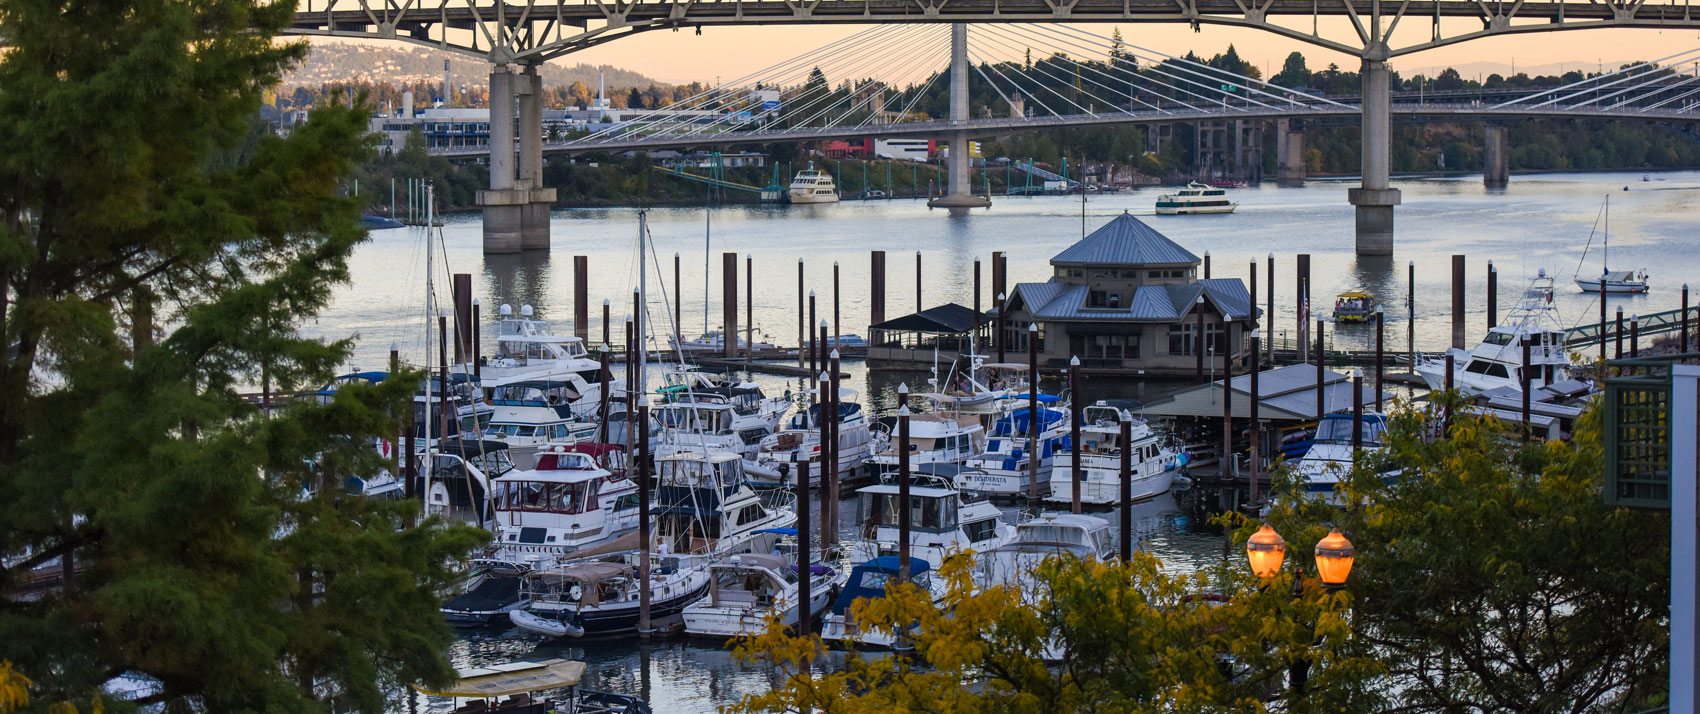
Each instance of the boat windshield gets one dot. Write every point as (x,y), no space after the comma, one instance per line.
(538,497)
(1338,430)
(926,513)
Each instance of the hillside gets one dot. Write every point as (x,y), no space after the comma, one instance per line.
(330,62)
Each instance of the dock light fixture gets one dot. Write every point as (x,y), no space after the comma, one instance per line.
(1265,551)
(1334,556)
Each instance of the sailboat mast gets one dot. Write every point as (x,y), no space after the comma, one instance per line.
(1607,249)
(430,197)
(707,238)
(643,303)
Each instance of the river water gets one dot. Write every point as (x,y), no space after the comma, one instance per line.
(1538,222)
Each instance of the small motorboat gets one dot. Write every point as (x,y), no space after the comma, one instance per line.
(532,687)
(1354,306)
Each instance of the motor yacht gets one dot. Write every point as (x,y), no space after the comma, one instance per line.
(533,412)
(779,455)
(527,349)
(1498,360)
(947,434)
(1195,198)
(870,580)
(1004,470)
(1329,460)
(1154,459)
(747,590)
(703,507)
(942,522)
(1048,535)
(604,597)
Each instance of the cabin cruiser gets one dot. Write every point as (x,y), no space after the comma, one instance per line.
(527,349)
(942,523)
(1354,306)
(518,688)
(534,412)
(604,597)
(747,590)
(1498,360)
(385,482)
(1153,457)
(778,456)
(1329,459)
(937,437)
(1004,470)
(1195,198)
(1048,535)
(701,420)
(868,581)
(812,185)
(746,398)
(703,507)
(566,507)
(465,397)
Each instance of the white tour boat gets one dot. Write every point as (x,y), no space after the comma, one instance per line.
(1154,459)
(1195,198)
(812,185)
(1498,361)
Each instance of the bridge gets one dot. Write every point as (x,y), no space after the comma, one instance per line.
(517,36)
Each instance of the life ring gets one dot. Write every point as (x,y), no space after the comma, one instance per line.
(575,593)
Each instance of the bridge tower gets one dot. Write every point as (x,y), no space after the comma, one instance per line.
(960,192)
(516,206)
(1289,152)
(1496,148)
(1375,199)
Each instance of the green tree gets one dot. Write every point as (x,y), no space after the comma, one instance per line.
(1293,72)
(1492,576)
(140,194)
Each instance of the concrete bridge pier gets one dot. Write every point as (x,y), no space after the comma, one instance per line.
(1496,153)
(1376,198)
(1289,153)
(534,217)
(959,192)
(505,202)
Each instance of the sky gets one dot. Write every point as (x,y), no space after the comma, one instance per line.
(725,53)
(729,52)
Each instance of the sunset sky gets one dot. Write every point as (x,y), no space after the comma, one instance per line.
(728,52)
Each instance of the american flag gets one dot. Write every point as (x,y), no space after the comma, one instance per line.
(1304,318)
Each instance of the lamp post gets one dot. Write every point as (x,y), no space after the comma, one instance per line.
(1334,556)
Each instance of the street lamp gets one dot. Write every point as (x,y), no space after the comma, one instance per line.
(1334,555)
(1265,551)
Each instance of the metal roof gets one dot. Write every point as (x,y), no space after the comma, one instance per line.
(1150,303)
(949,318)
(1287,393)
(1125,240)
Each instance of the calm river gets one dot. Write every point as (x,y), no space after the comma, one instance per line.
(1538,222)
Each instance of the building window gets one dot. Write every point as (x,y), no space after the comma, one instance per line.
(1097,298)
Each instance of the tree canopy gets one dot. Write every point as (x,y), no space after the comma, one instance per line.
(158,246)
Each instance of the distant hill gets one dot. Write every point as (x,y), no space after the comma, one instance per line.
(339,61)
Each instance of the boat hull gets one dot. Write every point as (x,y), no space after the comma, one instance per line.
(1105,489)
(604,620)
(813,199)
(1612,286)
(1192,210)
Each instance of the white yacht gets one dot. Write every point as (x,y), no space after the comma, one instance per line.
(1048,535)
(714,342)
(1004,470)
(1498,361)
(746,590)
(941,522)
(534,412)
(777,458)
(705,423)
(1154,459)
(746,397)
(946,435)
(566,507)
(603,597)
(528,350)
(812,185)
(702,506)
(1329,459)
(1195,198)
(868,581)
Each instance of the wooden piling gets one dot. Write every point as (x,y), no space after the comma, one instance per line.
(1411,313)
(749,307)
(836,489)
(1269,305)
(1523,381)
(1207,265)
(1458,301)
(1253,307)
(1617,334)
(918,306)
(1492,296)
(1227,409)
(1603,294)
(1380,355)
(977,312)
(443,380)
(1634,336)
(461,294)
(837,325)
(1449,386)
(1256,434)
(1357,414)
(581,298)
(998,334)
(1683,345)
(1033,417)
(1199,342)
(604,392)
(477,342)
(813,346)
(605,322)
(802,326)
(729,305)
(678,310)
(411,467)
(876,298)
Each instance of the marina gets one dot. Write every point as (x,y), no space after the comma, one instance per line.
(969,443)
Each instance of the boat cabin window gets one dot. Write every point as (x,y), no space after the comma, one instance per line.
(1040,533)
(878,579)
(534,394)
(1491,369)
(687,418)
(539,497)
(934,514)
(749,514)
(726,474)
(981,530)
(1498,338)
(1338,430)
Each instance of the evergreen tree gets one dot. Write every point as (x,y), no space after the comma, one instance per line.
(139,193)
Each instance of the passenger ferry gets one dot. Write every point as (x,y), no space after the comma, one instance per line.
(812,185)
(1195,198)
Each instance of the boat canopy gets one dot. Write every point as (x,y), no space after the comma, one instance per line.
(1043,398)
(760,560)
(780,531)
(1356,294)
(589,573)
(1618,276)
(513,678)
(868,580)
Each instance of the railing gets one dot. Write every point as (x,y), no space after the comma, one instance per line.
(1656,323)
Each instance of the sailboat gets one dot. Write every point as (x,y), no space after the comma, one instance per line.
(1623,281)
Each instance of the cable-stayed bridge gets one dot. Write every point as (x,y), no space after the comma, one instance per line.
(916,73)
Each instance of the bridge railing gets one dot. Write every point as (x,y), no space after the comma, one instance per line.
(1656,323)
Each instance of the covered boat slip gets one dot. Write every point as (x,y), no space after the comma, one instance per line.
(520,687)
(1287,408)
(944,333)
